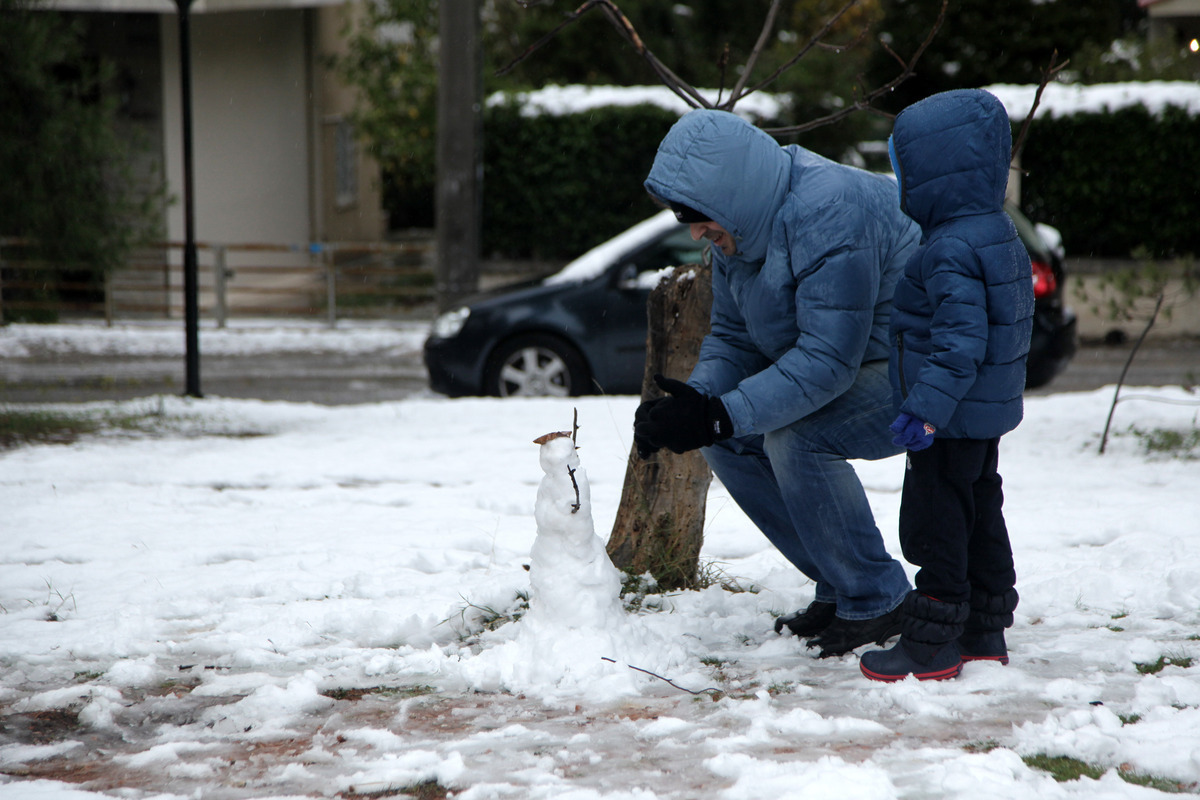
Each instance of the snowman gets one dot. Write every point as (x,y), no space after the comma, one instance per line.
(573,583)
(576,639)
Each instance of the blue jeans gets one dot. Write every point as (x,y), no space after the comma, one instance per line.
(797,487)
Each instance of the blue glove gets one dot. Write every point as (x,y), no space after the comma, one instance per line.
(911,433)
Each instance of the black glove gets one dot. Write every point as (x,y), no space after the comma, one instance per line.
(684,420)
(644,448)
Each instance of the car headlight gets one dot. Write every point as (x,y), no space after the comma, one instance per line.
(448,325)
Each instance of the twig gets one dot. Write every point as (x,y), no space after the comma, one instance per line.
(812,42)
(669,79)
(759,46)
(870,97)
(1047,74)
(692,97)
(1116,393)
(578,504)
(661,678)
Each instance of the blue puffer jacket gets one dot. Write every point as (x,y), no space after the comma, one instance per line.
(806,299)
(964,308)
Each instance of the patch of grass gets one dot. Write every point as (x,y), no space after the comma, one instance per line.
(1065,768)
(476,618)
(1163,662)
(56,604)
(776,689)
(718,667)
(1154,782)
(27,426)
(426,790)
(640,593)
(18,427)
(1167,442)
(391,692)
(712,573)
(985,746)
(1129,719)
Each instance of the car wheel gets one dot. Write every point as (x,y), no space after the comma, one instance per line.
(535,366)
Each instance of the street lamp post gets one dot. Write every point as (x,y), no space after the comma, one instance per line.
(191,305)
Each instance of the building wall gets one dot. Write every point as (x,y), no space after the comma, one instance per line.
(250,131)
(349,195)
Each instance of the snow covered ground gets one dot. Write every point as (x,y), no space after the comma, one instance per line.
(285,600)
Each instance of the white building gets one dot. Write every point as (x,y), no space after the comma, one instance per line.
(275,160)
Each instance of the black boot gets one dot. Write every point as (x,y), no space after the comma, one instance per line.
(808,622)
(843,635)
(982,638)
(928,642)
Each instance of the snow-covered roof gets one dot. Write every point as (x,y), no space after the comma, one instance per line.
(559,100)
(1061,100)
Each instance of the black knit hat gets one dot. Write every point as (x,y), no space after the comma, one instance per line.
(688,214)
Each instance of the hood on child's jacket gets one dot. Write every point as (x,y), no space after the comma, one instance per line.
(727,169)
(952,157)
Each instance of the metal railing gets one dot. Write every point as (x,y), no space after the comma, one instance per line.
(330,279)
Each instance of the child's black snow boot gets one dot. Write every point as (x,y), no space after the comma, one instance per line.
(983,633)
(927,649)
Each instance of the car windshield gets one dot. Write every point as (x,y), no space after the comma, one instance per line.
(595,261)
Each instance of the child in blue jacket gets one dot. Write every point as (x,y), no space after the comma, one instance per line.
(960,330)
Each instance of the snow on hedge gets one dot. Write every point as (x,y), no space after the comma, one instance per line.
(1063,100)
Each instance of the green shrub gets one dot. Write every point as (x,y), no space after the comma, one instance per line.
(555,186)
(1116,181)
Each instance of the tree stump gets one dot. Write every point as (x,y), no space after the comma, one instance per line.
(660,523)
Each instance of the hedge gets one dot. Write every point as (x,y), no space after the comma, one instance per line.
(1114,181)
(555,186)
(1111,182)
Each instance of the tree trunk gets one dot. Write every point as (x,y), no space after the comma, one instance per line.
(660,523)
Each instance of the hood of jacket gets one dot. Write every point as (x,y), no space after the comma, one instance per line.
(724,167)
(951,153)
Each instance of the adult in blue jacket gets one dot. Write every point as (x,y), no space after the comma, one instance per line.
(961,324)
(792,379)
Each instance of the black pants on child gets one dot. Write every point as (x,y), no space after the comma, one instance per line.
(951,522)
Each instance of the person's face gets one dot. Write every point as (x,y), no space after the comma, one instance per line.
(715,234)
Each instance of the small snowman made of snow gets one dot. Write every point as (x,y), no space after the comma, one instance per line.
(573,582)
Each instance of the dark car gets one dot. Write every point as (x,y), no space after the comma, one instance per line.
(1054,339)
(583,329)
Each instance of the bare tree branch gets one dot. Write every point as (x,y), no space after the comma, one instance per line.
(865,103)
(690,95)
(722,67)
(759,46)
(1047,75)
(812,42)
(669,79)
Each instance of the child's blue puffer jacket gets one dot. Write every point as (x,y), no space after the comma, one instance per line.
(963,311)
